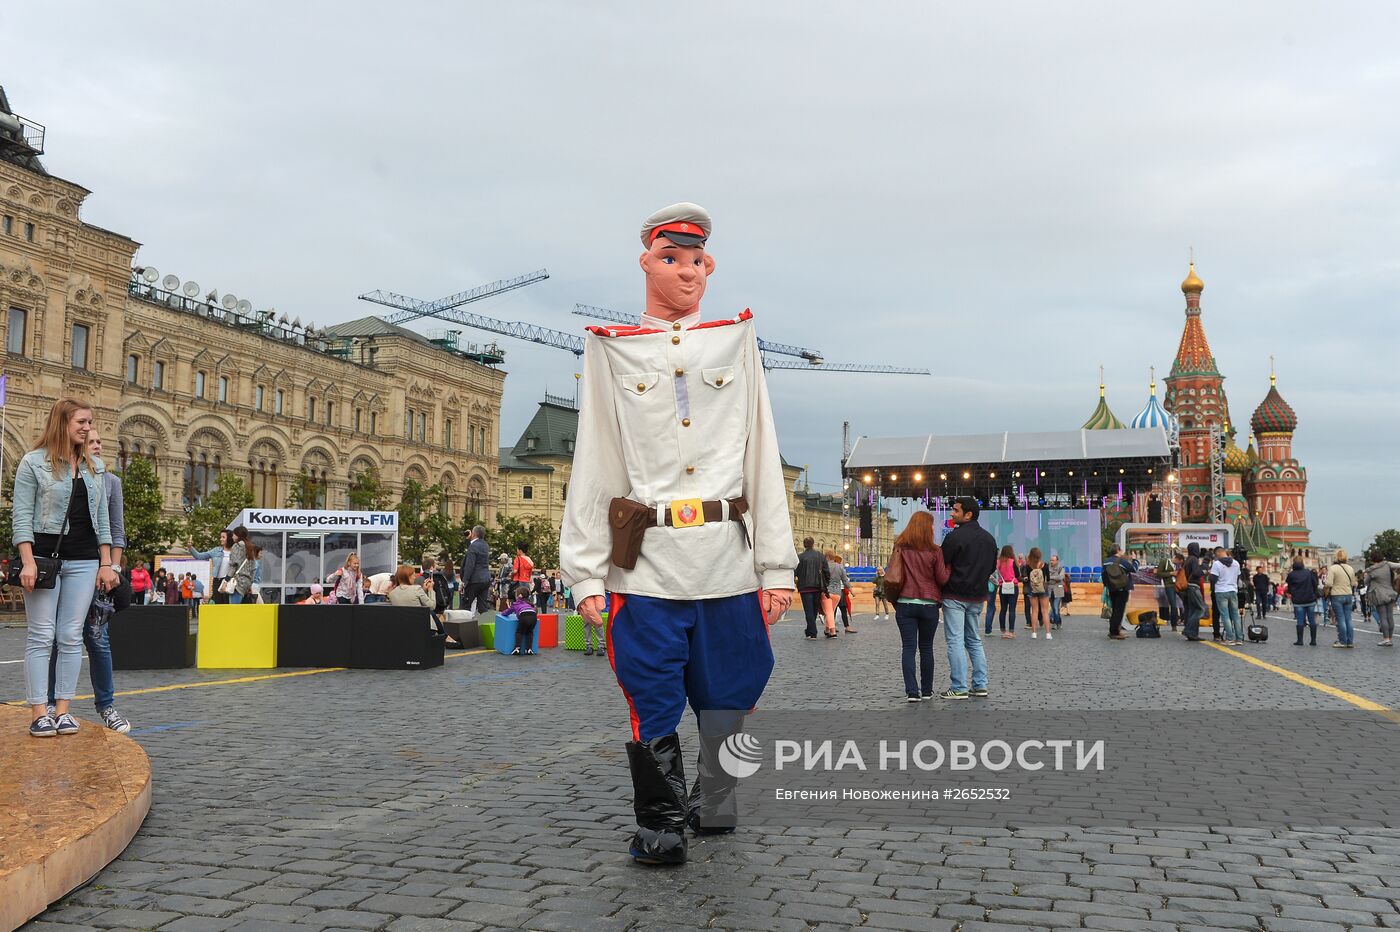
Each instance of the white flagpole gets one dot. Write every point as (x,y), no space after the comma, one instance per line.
(6,387)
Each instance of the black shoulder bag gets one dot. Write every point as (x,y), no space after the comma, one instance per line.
(48,567)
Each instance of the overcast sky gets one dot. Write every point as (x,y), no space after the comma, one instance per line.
(1004,193)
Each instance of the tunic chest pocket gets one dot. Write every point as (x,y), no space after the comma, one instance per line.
(640,383)
(719,377)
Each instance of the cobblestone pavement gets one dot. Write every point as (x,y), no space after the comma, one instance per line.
(492,793)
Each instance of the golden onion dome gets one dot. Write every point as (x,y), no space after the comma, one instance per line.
(1236,460)
(1192,284)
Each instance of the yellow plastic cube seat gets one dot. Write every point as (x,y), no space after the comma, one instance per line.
(237,637)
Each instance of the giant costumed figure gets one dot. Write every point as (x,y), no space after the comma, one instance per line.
(677,508)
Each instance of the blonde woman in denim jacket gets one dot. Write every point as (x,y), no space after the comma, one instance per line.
(53,483)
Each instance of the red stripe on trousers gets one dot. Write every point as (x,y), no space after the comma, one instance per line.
(614,609)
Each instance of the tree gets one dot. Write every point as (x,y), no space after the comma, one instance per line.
(218,510)
(535,532)
(148,531)
(1388,543)
(418,506)
(7,513)
(305,492)
(1110,532)
(367,492)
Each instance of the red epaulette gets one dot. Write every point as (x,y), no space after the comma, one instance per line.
(746,315)
(634,330)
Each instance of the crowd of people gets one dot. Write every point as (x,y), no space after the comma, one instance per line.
(927,584)
(69,534)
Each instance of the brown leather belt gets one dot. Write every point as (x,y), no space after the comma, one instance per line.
(711,510)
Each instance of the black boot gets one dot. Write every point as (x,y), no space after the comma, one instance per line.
(713,810)
(659,800)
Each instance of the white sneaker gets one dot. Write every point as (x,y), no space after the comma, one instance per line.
(114,720)
(1049,636)
(1034,635)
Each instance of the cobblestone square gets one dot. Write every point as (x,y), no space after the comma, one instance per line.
(492,793)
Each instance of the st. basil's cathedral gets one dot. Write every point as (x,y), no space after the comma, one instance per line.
(1264,488)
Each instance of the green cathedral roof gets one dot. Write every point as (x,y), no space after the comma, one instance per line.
(1103,418)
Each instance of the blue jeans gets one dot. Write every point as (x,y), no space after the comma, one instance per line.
(1227,612)
(1304,615)
(1054,608)
(1007,619)
(964,643)
(57,614)
(99,652)
(1341,611)
(917,626)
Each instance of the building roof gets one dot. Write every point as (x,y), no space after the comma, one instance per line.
(13,147)
(1193,352)
(910,466)
(375,327)
(1274,415)
(1102,418)
(1192,284)
(554,428)
(509,460)
(1153,414)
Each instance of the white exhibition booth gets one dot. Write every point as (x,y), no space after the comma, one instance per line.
(301,547)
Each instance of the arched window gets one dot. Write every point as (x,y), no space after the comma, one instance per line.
(262,468)
(317,465)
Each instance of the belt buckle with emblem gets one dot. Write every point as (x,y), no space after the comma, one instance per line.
(687,512)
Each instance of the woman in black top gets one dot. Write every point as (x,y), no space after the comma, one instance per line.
(60,509)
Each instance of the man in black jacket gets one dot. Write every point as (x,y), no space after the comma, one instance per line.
(1193,598)
(971,555)
(1263,588)
(476,573)
(812,573)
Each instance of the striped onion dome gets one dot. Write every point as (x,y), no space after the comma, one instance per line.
(1102,418)
(1153,415)
(1274,415)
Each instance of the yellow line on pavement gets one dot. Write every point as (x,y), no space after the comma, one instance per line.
(243,679)
(1361,702)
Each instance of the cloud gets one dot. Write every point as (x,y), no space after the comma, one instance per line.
(1004,193)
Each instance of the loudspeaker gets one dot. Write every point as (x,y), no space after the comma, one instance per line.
(151,637)
(390,637)
(867,529)
(462,627)
(1154,510)
(314,635)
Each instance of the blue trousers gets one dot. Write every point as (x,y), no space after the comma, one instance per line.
(713,652)
(99,651)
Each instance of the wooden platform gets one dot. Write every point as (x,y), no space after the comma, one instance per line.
(68,806)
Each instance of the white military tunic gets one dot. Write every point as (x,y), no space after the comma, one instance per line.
(666,415)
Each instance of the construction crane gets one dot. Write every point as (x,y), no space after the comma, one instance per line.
(782,349)
(572,342)
(814,359)
(409,308)
(535,334)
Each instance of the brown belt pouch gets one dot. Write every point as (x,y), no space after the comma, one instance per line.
(629,521)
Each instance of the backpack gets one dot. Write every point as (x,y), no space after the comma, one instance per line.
(1180,584)
(1037,580)
(1147,626)
(1115,578)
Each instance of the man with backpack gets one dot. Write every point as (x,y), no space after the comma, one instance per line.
(1190,579)
(1118,583)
